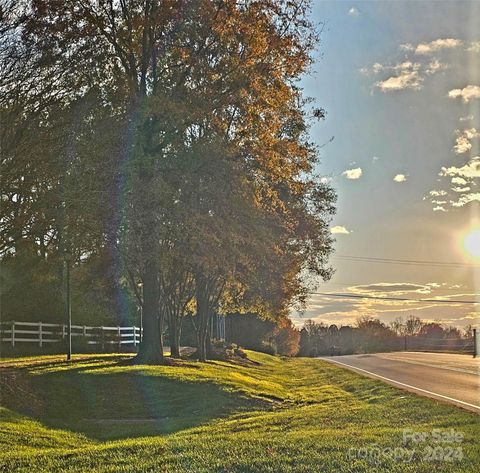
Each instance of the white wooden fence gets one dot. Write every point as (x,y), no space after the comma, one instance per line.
(42,333)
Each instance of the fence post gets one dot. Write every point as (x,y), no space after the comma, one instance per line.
(84,331)
(13,334)
(119,339)
(475,341)
(134,336)
(40,341)
(103,339)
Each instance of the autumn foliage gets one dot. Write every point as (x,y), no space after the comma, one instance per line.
(172,137)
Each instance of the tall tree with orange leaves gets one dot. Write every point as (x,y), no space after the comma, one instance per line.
(210,150)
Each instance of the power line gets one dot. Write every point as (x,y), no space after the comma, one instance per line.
(367,259)
(389,298)
(356,284)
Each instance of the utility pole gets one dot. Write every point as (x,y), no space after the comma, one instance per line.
(68,305)
(475,341)
(140,285)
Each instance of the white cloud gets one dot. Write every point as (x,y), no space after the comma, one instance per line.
(437,45)
(405,66)
(355,173)
(404,75)
(336,310)
(436,193)
(409,74)
(435,65)
(469,170)
(353,12)
(398,288)
(466,94)
(400,178)
(399,67)
(459,180)
(375,159)
(466,118)
(474,47)
(464,185)
(407,47)
(405,80)
(339,230)
(439,208)
(375,69)
(466,198)
(463,143)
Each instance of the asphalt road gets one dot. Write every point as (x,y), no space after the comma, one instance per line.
(446,377)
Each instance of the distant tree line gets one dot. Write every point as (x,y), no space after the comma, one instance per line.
(160,149)
(370,335)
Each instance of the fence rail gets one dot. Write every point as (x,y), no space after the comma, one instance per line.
(42,333)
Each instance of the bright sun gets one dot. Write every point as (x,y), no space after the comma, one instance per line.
(471,242)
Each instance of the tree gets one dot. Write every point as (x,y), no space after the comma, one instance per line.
(250,170)
(412,326)
(468,331)
(208,130)
(288,338)
(177,291)
(274,336)
(452,332)
(432,330)
(398,326)
(376,335)
(113,47)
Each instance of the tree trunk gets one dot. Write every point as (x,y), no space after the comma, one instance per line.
(208,341)
(174,334)
(201,349)
(202,335)
(151,347)
(202,315)
(176,344)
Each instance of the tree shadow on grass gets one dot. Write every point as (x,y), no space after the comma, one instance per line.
(103,405)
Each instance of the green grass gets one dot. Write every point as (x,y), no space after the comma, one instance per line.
(99,414)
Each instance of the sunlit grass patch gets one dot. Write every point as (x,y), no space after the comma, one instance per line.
(99,414)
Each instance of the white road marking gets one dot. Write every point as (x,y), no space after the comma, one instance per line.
(403,384)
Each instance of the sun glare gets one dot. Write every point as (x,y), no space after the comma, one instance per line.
(471,242)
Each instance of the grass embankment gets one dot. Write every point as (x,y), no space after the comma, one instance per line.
(97,414)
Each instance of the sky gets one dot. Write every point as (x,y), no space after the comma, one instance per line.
(400,82)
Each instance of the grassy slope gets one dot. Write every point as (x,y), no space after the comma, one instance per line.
(294,415)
